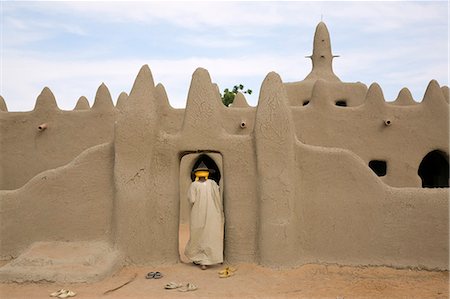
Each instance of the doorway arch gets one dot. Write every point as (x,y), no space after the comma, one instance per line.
(188,162)
(434,170)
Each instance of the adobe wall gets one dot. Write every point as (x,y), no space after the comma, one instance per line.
(26,151)
(362,129)
(73,202)
(320,204)
(147,174)
(286,203)
(346,215)
(296,185)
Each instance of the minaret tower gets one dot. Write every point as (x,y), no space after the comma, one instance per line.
(322,58)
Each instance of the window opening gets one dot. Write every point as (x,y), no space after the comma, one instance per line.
(433,170)
(341,103)
(379,167)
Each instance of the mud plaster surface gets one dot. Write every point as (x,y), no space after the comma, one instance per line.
(252,281)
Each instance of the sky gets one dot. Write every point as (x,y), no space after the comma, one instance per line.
(73,47)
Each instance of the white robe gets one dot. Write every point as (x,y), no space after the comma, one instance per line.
(205,245)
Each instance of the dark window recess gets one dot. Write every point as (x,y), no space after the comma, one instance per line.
(341,103)
(379,167)
(305,102)
(214,174)
(433,170)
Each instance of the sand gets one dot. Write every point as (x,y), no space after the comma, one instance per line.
(253,281)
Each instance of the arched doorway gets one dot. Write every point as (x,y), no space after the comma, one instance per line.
(188,163)
(434,170)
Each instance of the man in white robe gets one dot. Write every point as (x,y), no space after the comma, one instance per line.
(205,246)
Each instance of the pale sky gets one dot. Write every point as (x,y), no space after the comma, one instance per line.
(72,47)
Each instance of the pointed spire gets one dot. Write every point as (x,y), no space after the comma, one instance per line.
(374,97)
(143,85)
(82,104)
(275,145)
(203,106)
(103,100)
(3,104)
(445,92)
(46,100)
(322,58)
(433,94)
(404,98)
(239,101)
(121,99)
(161,95)
(273,111)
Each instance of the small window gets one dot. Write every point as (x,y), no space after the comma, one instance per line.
(379,167)
(341,103)
(305,102)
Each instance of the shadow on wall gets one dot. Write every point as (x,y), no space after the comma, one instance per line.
(434,170)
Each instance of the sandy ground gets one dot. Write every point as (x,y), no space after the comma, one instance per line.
(252,281)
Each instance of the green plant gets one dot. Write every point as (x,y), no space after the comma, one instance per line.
(228,96)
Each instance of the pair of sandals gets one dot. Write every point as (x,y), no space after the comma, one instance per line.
(181,288)
(227,272)
(63,294)
(154,275)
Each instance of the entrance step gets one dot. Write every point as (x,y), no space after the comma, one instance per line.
(67,262)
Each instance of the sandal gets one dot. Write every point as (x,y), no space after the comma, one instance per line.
(227,269)
(155,275)
(227,272)
(172,285)
(57,293)
(188,287)
(67,294)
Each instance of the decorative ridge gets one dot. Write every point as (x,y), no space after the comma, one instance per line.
(82,104)
(374,96)
(103,100)
(404,98)
(239,101)
(273,106)
(161,95)
(123,96)
(433,94)
(143,84)
(3,106)
(203,105)
(46,100)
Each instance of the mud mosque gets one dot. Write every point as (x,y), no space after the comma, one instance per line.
(320,171)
